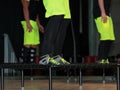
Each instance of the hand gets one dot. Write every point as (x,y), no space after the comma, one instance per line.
(104,18)
(29,27)
(41,28)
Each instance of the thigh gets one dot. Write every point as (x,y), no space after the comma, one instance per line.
(52,27)
(32,37)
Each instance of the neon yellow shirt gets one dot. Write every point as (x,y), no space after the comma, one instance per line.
(57,7)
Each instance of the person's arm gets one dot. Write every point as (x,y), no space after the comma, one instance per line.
(25,4)
(41,28)
(102,9)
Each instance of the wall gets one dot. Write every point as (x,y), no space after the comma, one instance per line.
(9,24)
(115,49)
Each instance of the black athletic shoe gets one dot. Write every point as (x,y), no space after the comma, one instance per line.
(61,60)
(44,60)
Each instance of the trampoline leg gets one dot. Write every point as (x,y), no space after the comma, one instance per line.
(50,78)
(2,79)
(22,80)
(75,74)
(80,80)
(103,76)
(118,77)
(31,76)
(68,75)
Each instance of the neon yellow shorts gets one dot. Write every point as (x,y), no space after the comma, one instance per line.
(31,38)
(105,30)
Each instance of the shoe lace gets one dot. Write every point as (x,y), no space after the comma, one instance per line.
(64,61)
(54,61)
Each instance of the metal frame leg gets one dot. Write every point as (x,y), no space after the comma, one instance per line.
(22,79)
(31,72)
(50,78)
(80,79)
(2,78)
(103,76)
(75,74)
(68,75)
(118,77)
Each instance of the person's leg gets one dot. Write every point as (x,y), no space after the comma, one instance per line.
(108,47)
(61,37)
(104,48)
(32,53)
(24,58)
(50,35)
(103,51)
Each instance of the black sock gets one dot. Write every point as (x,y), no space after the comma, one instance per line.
(32,54)
(24,55)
